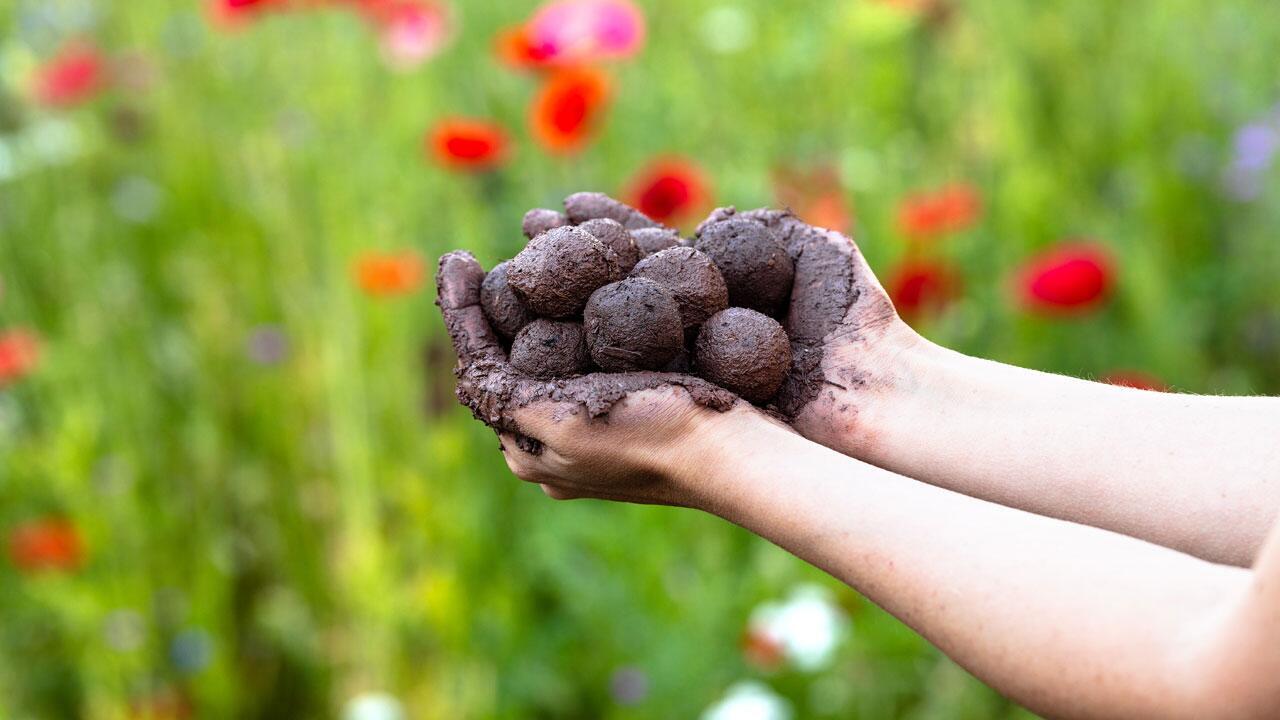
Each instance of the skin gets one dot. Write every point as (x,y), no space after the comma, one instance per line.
(1088,618)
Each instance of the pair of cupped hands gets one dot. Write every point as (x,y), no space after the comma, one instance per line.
(635,437)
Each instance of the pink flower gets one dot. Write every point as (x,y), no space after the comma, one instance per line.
(1070,279)
(412,31)
(74,76)
(578,31)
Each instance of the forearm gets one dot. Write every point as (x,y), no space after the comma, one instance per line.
(1067,619)
(1199,474)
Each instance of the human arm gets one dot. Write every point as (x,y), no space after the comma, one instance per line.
(1071,621)
(1198,474)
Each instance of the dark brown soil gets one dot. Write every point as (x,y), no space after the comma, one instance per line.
(551,349)
(755,264)
(616,238)
(652,240)
(633,324)
(585,206)
(691,277)
(540,220)
(744,351)
(559,269)
(505,311)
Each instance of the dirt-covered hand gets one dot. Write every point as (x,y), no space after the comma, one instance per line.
(606,435)
(843,329)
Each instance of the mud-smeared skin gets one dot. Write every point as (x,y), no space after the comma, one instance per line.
(633,324)
(744,351)
(540,220)
(584,206)
(505,311)
(830,302)
(616,238)
(558,270)
(756,266)
(548,349)
(493,390)
(691,277)
(654,240)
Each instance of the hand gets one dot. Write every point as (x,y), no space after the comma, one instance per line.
(845,335)
(615,436)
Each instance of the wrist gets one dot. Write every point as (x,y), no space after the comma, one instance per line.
(718,466)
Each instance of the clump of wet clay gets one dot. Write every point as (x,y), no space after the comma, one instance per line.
(693,280)
(616,238)
(505,311)
(744,351)
(559,269)
(540,220)
(551,349)
(585,206)
(633,324)
(755,264)
(652,240)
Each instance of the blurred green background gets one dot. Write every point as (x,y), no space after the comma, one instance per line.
(274,507)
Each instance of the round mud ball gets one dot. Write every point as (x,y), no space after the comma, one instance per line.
(540,220)
(505,311)
(558,270)
(743,351)
(616,238)
(633,324)
(691,277)
(652,240)
(584,206)
(756,267)
(551,349)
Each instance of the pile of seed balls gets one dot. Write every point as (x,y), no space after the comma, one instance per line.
(603,287)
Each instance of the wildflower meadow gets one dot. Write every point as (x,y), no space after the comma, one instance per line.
(234,481)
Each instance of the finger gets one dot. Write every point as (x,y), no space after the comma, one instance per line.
(523,464)
(458,295)
(584,206)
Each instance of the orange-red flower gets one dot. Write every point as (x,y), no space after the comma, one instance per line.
(468,144)
(1069,279)
(945,210)
(19,355)
(815,195)
(74,76)
(516,48)
(46,544)
(230,14)
(1136,379)
(386,274)
(568,108)
(669,190)
(922,287)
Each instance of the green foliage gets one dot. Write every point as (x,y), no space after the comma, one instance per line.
(334,524)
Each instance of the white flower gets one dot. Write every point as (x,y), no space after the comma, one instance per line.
(373,706)
(749,700)
(808,626)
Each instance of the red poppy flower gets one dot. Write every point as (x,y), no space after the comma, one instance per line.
(467,144)
(1072,278)
(815,195)
(383,275)
(948,209)
(568,107)
(19,355)
(45,544)
(74,76)
(516,48)
(922,287)
(1135,379)
(669,190)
